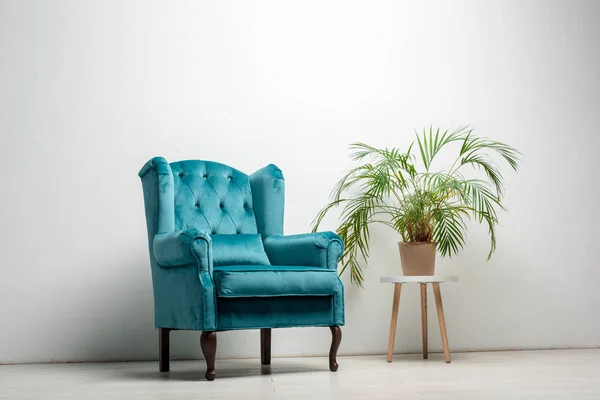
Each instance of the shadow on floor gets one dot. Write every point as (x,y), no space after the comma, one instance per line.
(194,371)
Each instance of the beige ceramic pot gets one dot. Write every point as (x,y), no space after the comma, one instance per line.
(418,259)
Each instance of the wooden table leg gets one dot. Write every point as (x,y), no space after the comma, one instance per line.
(424,317)
(395,306)
(440,313)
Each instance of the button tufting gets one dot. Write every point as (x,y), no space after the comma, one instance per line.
(199,195)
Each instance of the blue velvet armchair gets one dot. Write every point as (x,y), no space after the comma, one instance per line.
(220,261)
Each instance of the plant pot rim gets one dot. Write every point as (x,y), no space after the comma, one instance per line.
(416,243)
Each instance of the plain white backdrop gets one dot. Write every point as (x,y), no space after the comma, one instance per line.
(90,90)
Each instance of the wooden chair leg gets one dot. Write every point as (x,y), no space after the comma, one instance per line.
(163,349)
(424,318)
(336,339)
(265,346)
(208,343)
(395,306)
(440,312)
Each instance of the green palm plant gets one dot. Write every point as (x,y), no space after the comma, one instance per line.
(422,205)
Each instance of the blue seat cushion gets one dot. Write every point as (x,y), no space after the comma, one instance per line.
(274,280)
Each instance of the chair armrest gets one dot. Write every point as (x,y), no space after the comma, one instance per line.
(182,248)
(321,249)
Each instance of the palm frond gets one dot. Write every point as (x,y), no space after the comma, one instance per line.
(319,218)
(474,152)
(354,232)
(491,170)
(508,153)
(449,230)
(430,143)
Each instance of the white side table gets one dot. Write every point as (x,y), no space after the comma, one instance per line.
(398,281)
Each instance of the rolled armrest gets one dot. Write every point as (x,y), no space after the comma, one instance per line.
(181,248)
(321,249)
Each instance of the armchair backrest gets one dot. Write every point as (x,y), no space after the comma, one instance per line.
(205,195)
(212,197)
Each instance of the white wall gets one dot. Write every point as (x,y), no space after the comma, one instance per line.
(89,90)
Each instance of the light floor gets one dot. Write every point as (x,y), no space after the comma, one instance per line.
(559,374)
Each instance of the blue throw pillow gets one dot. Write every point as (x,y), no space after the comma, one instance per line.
(238,250)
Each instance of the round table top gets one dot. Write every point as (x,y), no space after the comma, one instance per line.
(418,279)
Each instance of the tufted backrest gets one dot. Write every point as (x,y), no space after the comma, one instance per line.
(212,197)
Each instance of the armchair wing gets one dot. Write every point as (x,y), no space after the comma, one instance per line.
(322,249)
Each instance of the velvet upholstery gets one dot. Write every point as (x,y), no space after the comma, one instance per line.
(210,270)
(212,197)
(238,250)
(272,281)
(276,312)
(268,194)
(322,249)
(176,249)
